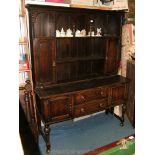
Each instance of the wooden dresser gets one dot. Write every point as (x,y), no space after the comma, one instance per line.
(75,76)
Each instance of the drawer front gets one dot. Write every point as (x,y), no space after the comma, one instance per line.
(57,109)
(90,107)
(89,95)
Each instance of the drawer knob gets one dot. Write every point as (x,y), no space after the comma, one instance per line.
(83,98)
(102,93)
(82,109)
(53,64)
(101,105)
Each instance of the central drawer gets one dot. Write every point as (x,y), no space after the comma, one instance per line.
(89,95)
(90,107)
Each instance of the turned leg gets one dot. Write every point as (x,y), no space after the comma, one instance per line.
(47,131)
(123,112)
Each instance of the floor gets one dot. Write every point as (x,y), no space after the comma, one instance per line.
(75,138)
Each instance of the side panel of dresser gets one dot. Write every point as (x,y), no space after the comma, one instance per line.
(131,95)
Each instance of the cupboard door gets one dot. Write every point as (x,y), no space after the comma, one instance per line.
(112,57)
(118,94)
(57,109)
(44,54)
(114,24)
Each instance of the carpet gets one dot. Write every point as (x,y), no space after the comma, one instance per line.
(76,138)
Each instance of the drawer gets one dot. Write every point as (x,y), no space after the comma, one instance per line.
(89,95)
(90,107)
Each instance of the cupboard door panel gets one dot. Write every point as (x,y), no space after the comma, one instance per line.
(44,25)
(114,24)
(58,108)
(44,50)
(112,57)
(118,94)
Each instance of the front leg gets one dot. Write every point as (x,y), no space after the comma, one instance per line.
(47,134)
(123,112)
(106,111)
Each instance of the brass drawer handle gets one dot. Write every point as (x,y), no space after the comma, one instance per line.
(82,109)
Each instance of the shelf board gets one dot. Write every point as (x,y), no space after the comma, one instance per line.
(81,37)
(79,59)
(86,37)
(47,3)
(90,7)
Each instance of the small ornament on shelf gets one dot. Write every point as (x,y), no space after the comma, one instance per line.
(91,28)
(92,33)
(58,34)
(62,33)
(77,33)
(83,33)
(98,32)
(69,33)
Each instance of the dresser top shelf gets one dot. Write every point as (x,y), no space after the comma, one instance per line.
(73,7)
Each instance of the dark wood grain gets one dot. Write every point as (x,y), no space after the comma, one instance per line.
(131,95)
